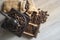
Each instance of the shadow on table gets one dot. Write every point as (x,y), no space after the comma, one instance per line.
(7,35)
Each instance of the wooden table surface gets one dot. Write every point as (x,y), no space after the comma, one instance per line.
(49,30)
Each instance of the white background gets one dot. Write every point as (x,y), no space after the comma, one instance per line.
(49,30)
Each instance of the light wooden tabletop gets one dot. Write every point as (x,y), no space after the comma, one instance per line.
(49,30)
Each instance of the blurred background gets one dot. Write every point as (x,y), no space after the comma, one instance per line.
(50,30)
